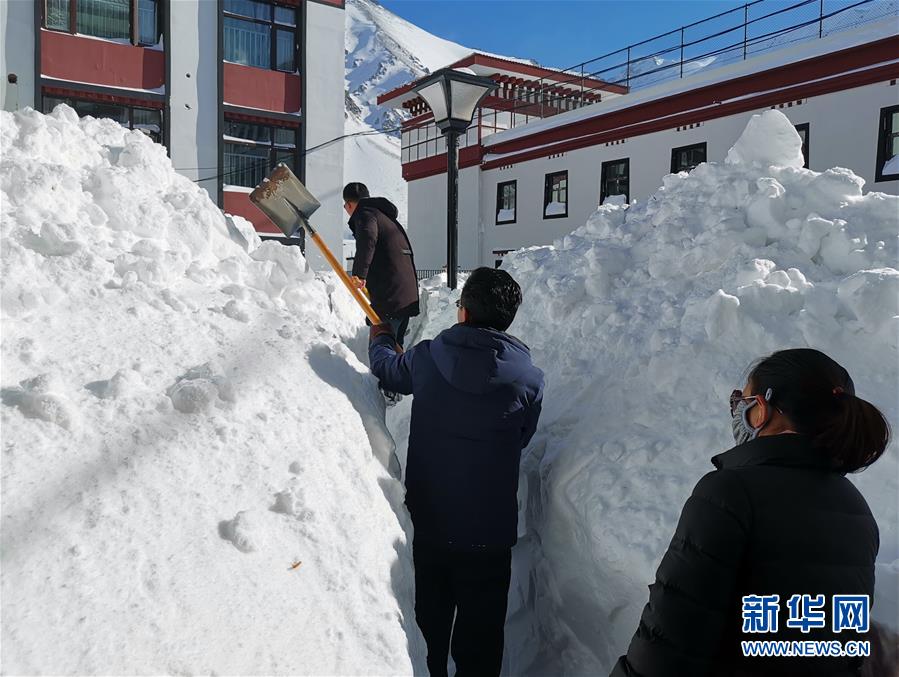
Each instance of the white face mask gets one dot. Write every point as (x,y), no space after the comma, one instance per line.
(742,429)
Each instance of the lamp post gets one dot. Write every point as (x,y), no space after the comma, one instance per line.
(453,95)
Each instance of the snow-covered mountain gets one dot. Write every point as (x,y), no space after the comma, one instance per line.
(383,51)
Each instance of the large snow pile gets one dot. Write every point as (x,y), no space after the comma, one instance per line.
(644,320)
(183,423)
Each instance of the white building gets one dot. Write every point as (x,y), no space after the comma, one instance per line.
(222,83)
(547,147)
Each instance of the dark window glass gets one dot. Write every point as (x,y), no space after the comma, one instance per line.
(249,8)
(248,131)
(803,134)
(148,121)
(888,145)
(286,16)
(248,43)
(252,150)
(104,18)
(245,165)
(615,179)
(111,19)
(285,137)
(506,197)
(57,14)
(260,34)
(284,56)
(686,158)
(555,195)
(147,26)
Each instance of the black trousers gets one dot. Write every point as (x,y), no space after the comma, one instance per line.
(400,326)
(462,595)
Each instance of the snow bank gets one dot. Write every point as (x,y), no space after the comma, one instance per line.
(644,320)
(183,423)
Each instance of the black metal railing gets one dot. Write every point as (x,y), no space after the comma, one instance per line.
(735,35)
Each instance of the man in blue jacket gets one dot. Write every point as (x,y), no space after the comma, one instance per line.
(477,398)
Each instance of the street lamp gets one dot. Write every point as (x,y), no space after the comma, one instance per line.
(453,95)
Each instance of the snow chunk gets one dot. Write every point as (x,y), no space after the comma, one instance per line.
(37,398)
(199,388)
(245,531)
(769,139)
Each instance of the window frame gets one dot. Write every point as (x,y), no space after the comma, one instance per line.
(127,106)
(693,146)
(272,147)
(883,137)
(547,194)
(274,26)
(133,22)
(499,202)
(804,127)
(603,178)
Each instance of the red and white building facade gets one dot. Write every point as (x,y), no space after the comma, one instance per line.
(546,149)
(223,84)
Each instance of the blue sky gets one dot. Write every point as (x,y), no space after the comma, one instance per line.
(557,33)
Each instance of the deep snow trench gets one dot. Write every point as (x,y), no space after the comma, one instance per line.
(644,320)
(196,472)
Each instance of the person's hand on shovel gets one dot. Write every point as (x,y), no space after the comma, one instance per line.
(383,330)
(358,281)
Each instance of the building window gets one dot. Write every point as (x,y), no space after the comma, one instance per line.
(888,145)
(555,195)
(110,19)
(261,34)
(615,179)
(506,195)
(685,158)
(803,134)
(147,120)
(252,150)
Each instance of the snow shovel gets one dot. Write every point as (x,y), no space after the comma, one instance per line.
(285,200)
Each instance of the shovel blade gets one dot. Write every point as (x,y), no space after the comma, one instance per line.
(285,200)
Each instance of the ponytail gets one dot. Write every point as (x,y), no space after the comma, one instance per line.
(818,396)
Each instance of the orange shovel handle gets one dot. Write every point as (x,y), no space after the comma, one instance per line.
(342,274)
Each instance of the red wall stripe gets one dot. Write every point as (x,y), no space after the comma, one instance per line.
(261,88)
(100,62)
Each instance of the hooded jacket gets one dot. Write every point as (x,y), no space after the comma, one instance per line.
(773,519)
(384,258)
(477,398)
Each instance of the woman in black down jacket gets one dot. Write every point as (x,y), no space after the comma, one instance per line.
(776,517)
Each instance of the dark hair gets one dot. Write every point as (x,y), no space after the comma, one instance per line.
(818,397)
(491,298)
(355,191)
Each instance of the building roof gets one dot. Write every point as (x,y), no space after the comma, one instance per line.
(490,65)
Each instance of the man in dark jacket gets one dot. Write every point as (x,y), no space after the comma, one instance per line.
(477,398)
(383,263)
